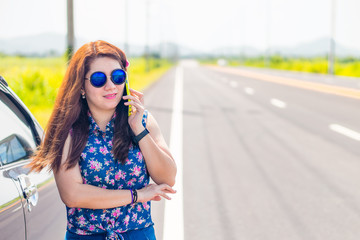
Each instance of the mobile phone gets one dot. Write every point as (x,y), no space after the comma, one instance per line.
(128,93)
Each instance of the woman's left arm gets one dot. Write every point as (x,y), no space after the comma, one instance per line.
(159,161)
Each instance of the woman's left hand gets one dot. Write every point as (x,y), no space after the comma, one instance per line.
(137,104)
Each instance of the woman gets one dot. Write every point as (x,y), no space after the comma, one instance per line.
(101,157)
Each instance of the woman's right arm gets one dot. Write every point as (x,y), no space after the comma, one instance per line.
(74,193)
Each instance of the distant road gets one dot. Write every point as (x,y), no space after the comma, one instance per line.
(350,82)
(263,160)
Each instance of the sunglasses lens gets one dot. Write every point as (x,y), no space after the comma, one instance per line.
(98,79)
(118,76)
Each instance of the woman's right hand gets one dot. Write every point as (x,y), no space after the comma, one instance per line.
(154,192)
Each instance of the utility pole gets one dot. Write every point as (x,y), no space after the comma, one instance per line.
(126,38)
(268,34)
(70,29)
(147,52)
(243,37)
(331,57)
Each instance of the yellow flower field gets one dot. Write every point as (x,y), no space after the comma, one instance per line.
(36,80)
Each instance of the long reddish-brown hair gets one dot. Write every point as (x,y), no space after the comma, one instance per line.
(70,112)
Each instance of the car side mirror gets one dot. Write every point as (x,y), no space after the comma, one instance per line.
(14,148)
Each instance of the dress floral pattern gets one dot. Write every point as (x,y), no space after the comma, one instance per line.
(99,168)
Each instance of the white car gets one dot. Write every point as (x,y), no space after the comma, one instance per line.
(30,206)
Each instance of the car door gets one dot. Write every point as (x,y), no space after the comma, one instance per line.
(31,208)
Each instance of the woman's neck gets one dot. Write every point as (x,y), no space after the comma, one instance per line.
(102,118)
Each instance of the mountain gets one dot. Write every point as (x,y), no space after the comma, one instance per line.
(319,47)
(237,51)
(54,44)
(36,45)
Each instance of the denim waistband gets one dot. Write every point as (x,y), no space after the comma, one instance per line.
(145,233)
(73,236)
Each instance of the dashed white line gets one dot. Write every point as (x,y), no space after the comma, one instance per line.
(174,214)
(345,131)
(249,91)
(233,84)
(278,103)
(16,209)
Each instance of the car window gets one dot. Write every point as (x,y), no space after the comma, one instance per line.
(16,138)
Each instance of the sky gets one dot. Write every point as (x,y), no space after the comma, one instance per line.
(198,24)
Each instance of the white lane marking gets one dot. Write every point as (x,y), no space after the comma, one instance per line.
(233,84)
(249,91)
(345,131)
(278,103)
(174,214)
(16,209)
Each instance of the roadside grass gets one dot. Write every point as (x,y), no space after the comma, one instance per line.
(139,79)
(343,66)
(37,80)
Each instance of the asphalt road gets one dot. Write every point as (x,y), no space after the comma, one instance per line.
(48,219)
(263,160)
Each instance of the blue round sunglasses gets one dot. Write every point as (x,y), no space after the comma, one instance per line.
(98,79)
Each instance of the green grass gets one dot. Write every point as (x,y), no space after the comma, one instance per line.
(343,66)
(37,80)
(139,79)
(9,203)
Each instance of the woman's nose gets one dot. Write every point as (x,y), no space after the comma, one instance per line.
(109,84)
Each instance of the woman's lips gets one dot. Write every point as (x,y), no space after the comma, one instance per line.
(110,96)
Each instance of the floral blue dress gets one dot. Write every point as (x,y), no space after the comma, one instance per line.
(99,168)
